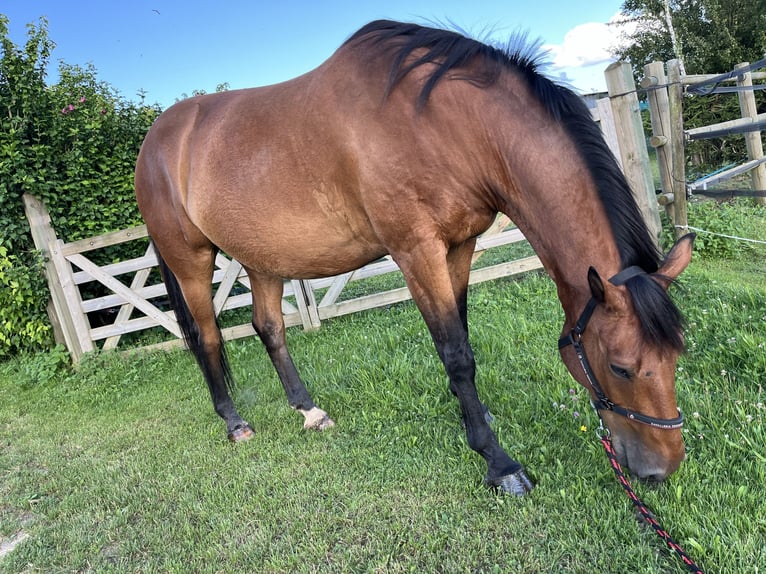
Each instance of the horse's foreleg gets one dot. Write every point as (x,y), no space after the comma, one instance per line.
(270,326)
(459,260)
(439,289)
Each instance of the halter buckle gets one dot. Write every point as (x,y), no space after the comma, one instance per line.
(602,432)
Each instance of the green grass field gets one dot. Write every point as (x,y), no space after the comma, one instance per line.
(122,465)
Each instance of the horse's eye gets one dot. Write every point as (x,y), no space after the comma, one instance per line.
(621,372)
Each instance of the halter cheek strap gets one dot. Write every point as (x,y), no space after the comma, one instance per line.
(601,401)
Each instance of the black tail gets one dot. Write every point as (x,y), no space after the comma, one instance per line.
(191,332)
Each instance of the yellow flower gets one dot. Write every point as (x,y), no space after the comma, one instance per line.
(583,428)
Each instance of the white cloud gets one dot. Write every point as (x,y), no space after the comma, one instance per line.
(586,51)
(584,45)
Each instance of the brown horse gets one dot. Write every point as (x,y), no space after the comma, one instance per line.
(409,140)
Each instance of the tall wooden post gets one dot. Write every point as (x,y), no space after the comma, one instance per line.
(752,139)
(659,113)
(677,143)
(65,326)
(630,132)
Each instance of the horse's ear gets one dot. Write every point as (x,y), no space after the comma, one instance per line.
(677,259)
(596,285)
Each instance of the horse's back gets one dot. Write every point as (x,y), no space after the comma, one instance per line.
(267,174)
(314,176)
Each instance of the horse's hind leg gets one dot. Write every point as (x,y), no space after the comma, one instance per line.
(270,326)
(190,292)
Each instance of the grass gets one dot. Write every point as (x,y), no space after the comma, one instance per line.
(122,466)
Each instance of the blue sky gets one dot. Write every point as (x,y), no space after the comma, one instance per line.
(172,47)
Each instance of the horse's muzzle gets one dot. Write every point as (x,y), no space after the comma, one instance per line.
(649,464)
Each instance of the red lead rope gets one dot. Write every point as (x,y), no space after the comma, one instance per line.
(645,512)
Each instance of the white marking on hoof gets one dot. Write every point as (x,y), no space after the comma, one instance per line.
(316,419)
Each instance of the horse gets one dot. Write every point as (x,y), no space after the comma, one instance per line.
(408,141)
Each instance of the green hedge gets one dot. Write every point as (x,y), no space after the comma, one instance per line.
(73,144)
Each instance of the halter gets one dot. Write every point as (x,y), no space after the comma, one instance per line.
(602,402)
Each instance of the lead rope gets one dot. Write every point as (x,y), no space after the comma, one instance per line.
(603,436)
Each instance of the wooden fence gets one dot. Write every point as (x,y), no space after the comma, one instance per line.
(666,92)
(135,295)
(138,303)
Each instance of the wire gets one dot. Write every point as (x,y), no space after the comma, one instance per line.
(698,230)
(700,87)
(729,193)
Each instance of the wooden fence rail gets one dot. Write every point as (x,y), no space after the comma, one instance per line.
(669,136)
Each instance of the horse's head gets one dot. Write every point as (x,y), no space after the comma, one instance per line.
(624,349)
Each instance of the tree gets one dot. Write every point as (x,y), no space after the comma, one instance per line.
(711,37)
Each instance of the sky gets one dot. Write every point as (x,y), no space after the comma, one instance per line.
(168,48)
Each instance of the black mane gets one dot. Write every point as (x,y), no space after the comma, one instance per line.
(482,64)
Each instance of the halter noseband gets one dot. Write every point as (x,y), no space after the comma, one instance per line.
(602,402)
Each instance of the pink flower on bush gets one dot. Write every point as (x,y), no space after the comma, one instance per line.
(82,100)
(67,109)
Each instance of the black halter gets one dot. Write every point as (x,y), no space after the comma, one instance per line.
(602,402)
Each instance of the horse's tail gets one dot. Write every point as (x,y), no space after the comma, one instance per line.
(190,330)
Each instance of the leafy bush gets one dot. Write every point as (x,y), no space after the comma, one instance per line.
(39,368)
(23,321)
(718,220)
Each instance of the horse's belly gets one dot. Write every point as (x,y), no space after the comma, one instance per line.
(301,253)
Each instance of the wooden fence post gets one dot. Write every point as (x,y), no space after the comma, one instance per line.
(752,139)
(46,241)
(307,305)
(630,132)
(677,143)
(608,129)
(659,112)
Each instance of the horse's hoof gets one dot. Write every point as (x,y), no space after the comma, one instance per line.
(319,424)
(517,483)
(316,419)
(241,433)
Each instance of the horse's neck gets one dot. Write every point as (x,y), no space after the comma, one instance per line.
(563,219)
(545,187)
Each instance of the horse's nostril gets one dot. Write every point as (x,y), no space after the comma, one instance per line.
(654,479)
